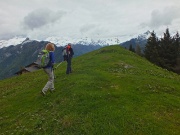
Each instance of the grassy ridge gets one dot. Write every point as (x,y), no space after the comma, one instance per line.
(111,91)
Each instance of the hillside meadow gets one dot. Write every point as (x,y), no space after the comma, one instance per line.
(111,91)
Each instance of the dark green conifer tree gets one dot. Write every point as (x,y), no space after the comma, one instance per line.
(176,43)
(131,48)
(151,49)
(164,52)
(167,51)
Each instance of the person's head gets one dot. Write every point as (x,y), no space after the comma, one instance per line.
(69,45)
(50,47)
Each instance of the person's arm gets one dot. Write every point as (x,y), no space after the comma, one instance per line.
(72,52)
(52,58)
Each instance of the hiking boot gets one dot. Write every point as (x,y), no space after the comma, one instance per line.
(43,93)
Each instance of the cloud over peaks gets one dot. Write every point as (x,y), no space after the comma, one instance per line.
(162,18)
(41,17)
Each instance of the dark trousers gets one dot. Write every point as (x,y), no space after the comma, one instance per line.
(68,70)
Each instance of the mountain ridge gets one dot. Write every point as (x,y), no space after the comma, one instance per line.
(62,41)
(12,55)
(14,58)
(140,40)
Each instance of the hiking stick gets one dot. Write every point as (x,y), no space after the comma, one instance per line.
(58,65)
(56,68)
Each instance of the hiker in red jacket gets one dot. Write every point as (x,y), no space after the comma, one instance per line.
(70,53)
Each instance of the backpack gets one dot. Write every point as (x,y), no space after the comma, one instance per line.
(43,59)
(64,53)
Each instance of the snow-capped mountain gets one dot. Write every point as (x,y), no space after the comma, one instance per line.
(21,51)
(84,41)
(58,41)
(140,40)
(13,41)
(145,35)
(12,58)
(62,41)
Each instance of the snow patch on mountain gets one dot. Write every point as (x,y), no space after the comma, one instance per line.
(144,36)
(84,41)
(13,41)
(62,41)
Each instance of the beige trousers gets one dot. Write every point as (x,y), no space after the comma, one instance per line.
(50,83)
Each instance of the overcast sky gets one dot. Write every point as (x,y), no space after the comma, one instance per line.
(39,19)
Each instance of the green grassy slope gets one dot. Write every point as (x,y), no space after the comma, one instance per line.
(111,91)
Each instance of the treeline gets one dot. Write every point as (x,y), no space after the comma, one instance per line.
(164,52)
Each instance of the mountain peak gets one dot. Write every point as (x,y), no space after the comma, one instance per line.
(144,35)
(14,41)
(62,41)
(147,32)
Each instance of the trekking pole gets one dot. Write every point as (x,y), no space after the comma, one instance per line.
(56,68)
(58,65)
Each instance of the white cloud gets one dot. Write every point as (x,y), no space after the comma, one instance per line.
(41,17)
(163,18)
(93,18)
